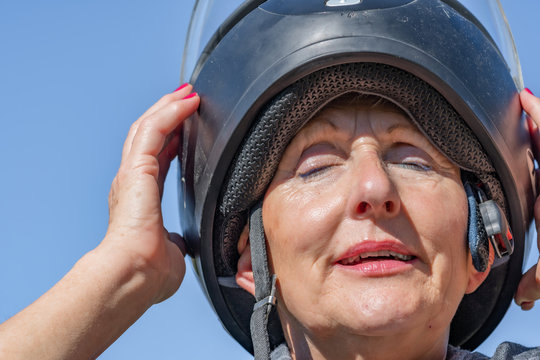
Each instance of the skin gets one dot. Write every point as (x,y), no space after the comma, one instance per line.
(138,263)
(529,287)
(355,176)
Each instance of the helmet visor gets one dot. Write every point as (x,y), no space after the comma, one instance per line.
(209,16)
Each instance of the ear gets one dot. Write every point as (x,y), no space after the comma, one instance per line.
(244,275)
(476,278)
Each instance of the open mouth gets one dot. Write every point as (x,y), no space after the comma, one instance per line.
(375,256)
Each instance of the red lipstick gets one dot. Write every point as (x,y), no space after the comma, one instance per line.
(377,258)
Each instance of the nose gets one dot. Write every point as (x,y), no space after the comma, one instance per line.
(373,193)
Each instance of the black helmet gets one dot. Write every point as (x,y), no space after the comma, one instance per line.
(273,64)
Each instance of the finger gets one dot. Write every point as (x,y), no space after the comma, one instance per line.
(534,133)
(537,217)
(529,288)
(177,95)
(153,130)
(165,157)
(178,241)
(531,105)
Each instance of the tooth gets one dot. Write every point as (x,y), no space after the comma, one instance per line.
(401,256)
(350,260)
(380,253)
(369,254)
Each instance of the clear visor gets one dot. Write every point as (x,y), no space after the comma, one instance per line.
(209,15)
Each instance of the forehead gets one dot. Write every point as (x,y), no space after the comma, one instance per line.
(357,117)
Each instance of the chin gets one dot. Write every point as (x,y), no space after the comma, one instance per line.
(391,309)
(383,316)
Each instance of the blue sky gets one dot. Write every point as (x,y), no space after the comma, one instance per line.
(73,76)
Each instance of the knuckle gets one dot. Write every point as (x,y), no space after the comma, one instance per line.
(175,107)
(134,126)
(119,179)
(168,97)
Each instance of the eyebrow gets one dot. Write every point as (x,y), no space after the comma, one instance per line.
(326,120)
(401,126)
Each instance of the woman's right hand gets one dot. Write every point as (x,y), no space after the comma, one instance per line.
(137,264)
(136,232)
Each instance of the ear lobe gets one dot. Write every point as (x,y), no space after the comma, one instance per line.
(476,278)
(244,275)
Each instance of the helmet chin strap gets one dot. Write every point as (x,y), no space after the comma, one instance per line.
(265,286)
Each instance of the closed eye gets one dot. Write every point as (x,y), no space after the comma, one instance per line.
(415,166)
(409,157)
(314,172)
(317,160)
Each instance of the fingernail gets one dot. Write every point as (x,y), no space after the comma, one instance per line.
(181,87)
(529,91)
(190,96)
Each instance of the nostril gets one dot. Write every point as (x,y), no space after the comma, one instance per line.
(362,207)
(389,206)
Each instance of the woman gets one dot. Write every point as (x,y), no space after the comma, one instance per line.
(309,54)
(142,264)
(138,266)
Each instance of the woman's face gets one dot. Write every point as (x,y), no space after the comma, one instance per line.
(365,222)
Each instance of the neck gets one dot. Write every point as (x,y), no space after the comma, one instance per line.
(304,345)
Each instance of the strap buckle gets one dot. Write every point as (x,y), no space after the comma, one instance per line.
(270,300)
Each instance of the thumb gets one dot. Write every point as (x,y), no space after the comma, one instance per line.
(178,241)
(528,289)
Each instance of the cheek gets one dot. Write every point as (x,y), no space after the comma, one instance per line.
(439,211)
(440,216)
(297,223)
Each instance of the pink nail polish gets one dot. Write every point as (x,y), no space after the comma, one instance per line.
(190,96)
(529,91)
(181,87)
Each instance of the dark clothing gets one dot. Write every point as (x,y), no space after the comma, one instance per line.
(505,351)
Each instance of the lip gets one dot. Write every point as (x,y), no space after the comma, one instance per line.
(378,267)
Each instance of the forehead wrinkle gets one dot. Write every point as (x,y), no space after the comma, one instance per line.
(322,124)
(326,119)
(309,134)
(340,120)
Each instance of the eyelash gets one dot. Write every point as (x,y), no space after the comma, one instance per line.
(415,166)
(410,165)
(407,165)
(314,172)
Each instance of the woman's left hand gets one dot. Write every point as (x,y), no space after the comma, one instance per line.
(529,287)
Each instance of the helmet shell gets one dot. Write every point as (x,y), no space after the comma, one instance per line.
(267,46)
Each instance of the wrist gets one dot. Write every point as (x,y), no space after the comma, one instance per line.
(126,274)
